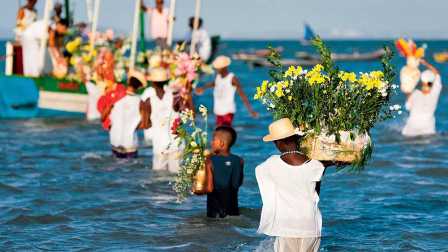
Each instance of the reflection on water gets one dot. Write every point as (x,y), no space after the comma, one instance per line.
(61,190)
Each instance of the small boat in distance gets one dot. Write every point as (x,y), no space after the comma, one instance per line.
(355,56)
(308,35)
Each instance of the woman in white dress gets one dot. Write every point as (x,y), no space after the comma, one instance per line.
(422,104)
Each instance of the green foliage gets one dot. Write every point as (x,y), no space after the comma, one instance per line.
(325,100)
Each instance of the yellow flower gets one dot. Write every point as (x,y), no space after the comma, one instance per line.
(73,45)
(293,72)
(345,76)
(372,80)
(315,76)
(289,98)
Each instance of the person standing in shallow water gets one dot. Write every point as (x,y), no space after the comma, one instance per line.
(126,116)
(163,110)
(422,104)
(225,86)
(227,174)
(289,185)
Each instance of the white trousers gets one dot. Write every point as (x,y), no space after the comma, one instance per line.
(167,161)
(94,95)
(286,244)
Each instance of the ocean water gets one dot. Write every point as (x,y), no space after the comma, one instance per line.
(61,190)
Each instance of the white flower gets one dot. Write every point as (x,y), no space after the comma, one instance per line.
(399,112)
(394,86)
(397,107)
(272,105)
(391,108)
(194,144)
(272,89)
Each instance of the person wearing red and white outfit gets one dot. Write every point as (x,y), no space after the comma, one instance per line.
(225,86)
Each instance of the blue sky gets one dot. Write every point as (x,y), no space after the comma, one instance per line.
(279,19)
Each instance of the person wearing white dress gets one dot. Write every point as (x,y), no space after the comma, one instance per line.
(26,15)
(163,111)
(289,185)
(126,117)
(422,104)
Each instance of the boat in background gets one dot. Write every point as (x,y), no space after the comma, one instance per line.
(440,57)
(308,35)
(355,56)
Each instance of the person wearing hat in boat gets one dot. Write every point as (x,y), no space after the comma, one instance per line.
(126,116)
(26,15)
(225,86)
(289,185)
(159,23)
(422,104)
(163,110)
(203,41)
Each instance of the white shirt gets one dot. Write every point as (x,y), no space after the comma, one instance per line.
(224,95)
(159,22)
(203,43)
(125,118)
(290,201)
(162,118)
(421,109)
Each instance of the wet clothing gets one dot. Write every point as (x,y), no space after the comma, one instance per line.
(283,244)
(421,109)
(227,179)
(119,153)
(125,118)
(166,150)
(31,39)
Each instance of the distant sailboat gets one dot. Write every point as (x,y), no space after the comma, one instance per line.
(308,35)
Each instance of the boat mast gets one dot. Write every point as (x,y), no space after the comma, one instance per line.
(169,40)
(67,11)
(135,34)
(96,13)
(197,12)
(142,31)
(43,45)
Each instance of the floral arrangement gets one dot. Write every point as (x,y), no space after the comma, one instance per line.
(194,155)
(329,103)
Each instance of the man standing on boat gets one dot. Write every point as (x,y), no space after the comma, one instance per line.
(203,41)
(26,15)
(31,39)
(159,23)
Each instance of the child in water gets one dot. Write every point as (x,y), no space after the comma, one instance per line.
(225,86)
(227,174)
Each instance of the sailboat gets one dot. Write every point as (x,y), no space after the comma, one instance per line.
(308,35)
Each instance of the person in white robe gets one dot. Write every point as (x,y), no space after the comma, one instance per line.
(422,104)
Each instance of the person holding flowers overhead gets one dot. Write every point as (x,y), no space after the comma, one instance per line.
(422,104)
(163,110)
(225,86)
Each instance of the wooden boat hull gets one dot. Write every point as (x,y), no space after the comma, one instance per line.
(23,97)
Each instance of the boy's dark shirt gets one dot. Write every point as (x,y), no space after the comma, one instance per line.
(227,178)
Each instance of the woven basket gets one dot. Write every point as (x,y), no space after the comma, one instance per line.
(325,148)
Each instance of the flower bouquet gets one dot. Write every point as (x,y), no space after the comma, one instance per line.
(334,109)
(194,155)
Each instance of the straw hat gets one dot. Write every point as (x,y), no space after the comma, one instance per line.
(158,74)
(428,76)
(139,76)
(281,129)
(221,62)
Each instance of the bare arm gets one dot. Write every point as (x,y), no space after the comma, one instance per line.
(20,14)
(429,66)
(145,113)
(201,90)
(236,83)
